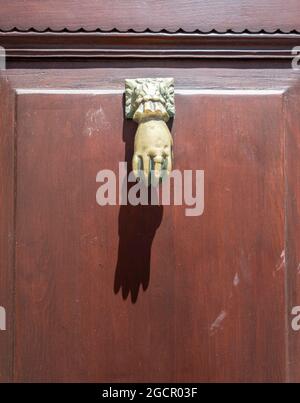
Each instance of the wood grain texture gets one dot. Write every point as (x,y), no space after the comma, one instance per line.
(292,106)
(190,15)
(6,225)
(188,74)
(203,300)
(145,293)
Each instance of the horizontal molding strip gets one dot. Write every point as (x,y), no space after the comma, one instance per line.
(62,45)
(151,31)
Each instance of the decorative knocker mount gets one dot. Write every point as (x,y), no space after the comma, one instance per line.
(150,103)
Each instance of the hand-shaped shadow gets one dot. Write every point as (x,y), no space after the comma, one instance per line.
(137,227)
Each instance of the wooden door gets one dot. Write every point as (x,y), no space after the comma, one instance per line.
(145,293)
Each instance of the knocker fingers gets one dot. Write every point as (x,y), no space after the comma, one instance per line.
(168,165)
(158,167)
(136,165)
(146,168)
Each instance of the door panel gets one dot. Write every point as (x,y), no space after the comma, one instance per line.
(292,106)
(6,227)
(122,293)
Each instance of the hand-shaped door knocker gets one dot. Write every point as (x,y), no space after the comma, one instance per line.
(150,103)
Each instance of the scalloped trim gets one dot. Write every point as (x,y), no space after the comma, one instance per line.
(147,31)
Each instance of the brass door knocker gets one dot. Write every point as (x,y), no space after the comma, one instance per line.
(150,103)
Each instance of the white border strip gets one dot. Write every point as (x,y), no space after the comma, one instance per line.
(178,92)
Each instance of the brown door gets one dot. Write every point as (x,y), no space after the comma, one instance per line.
(146,293)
